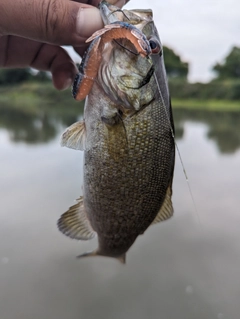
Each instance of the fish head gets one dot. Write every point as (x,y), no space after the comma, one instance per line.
(126,77)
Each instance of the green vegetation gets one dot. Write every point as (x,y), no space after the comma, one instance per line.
(222,93)
(35,112)
(34,97)
(17,76)
(13,76)
(175,67)
(217,90)
(230,68)
(206,105)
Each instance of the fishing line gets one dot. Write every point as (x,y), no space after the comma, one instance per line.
(124,127)
(178,151)
(180,157)
(135,53)
(119,10)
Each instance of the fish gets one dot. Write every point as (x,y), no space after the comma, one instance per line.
(127,135)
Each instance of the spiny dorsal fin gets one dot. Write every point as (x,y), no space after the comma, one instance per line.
(75,136)
(74,222)
(166,210)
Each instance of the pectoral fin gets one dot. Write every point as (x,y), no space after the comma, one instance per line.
(166,210)
(75,136)
(75,224)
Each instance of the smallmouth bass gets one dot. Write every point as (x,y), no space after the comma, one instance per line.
(126,135)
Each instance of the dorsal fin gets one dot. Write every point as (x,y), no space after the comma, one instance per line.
(75,224)
(166,210)
(75,136)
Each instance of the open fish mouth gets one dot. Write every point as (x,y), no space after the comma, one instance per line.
(100,40)
(145,80)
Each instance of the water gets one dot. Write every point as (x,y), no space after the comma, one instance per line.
(179,269)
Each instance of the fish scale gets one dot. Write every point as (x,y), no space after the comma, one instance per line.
(115,176)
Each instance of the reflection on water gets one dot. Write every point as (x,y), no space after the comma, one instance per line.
(179,269)
(223,127)
(44,126)
(38,126)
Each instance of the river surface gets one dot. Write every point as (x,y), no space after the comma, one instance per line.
(185,268)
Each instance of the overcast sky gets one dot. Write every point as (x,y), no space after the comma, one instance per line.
(202,32)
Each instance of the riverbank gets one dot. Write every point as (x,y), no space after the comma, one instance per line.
(206,105)
(32,96)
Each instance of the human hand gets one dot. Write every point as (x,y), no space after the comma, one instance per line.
(32,32)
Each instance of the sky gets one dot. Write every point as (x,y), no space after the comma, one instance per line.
(202,32)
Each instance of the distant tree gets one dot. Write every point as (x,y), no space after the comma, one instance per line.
(175,67)
(230,68)
(12,76)
(42,76)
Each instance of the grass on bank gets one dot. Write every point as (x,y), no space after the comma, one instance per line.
(31,97)
(206,105)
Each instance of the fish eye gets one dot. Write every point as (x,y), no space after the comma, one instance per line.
(155,46)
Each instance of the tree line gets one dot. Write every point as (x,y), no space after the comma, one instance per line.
(226,84)
(228,69)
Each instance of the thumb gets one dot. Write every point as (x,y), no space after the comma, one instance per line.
(61,22)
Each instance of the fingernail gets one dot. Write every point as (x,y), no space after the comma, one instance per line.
(88,21)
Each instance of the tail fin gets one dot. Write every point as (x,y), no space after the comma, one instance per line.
(121,258)
(88,254)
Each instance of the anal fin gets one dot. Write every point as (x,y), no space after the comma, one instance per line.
(166,210)
(75,224)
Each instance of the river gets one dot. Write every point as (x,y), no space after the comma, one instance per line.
(185,268)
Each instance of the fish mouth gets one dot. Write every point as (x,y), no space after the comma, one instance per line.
(145,79)
(131,50)
(125,48)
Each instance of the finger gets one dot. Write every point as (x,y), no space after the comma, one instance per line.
(119,3)
(59,22)
(20,52)
(81,50)
(95,3)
